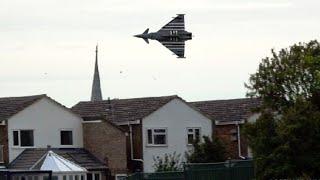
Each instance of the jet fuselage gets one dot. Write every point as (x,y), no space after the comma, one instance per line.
(170,36)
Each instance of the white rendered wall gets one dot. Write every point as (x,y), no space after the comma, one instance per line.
(176,116)
(252,119)
(46,118)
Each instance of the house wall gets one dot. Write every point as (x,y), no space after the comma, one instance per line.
(228,134)
(46,118)
(176,116)
(108,144)
(4,142)
(251,119)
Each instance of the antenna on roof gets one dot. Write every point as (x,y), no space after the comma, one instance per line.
(110,109)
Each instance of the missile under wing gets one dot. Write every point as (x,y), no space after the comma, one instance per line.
(172,35)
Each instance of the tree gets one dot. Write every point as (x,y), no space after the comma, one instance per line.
(207,152)
(287,75)
(170,162)
(285,138)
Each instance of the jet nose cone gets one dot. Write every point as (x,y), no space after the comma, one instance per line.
(138,36)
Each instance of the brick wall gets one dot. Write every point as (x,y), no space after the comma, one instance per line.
(134,166)
(4,141)
(228,134)
(107,143)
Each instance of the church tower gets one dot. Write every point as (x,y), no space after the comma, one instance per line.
(96,89)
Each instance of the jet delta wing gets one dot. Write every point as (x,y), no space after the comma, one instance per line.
(175,24)
(176,47)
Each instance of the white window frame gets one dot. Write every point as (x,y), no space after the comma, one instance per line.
(250,154)
(68,175)
(93,173)
(2,153)
(118,176)
(72,137)
(193,134)
(2,123)
(157,133)
(19,138)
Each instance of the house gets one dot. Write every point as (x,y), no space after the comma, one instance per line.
(33,126)
(229,116)
(156,125)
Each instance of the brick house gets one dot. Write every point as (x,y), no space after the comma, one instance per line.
(229,116)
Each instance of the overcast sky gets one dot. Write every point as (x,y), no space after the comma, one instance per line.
(47,46)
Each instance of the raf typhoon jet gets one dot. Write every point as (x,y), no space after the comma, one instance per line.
(173,35)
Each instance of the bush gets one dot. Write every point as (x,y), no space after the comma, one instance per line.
(170,162)
(207,152)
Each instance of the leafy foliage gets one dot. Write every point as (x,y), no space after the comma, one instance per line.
(207,152)
(285,138)
(287,75)
(170,162)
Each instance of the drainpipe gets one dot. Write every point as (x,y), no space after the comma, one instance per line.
(131,144)
(239,141)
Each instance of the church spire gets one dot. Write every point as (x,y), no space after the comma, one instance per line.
(96,89)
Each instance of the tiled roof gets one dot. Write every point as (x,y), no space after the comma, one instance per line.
(10,106)
(121,110)
(228,110)
(29,158)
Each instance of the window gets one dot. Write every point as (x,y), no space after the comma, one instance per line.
(96,176)
(250,155)
(74,177)
(1,153)
(233,135)
(16,138)
(93,176)
(157,136)
(66,137)
(121,176)
(193,135)
(23,138)
(89,176)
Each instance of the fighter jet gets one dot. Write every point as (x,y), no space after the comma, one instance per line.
(173,35)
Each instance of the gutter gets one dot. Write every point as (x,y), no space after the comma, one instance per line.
(239,141)
(229,122)
(131,144)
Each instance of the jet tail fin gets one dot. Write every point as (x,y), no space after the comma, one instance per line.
(146,40)
(146,31)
